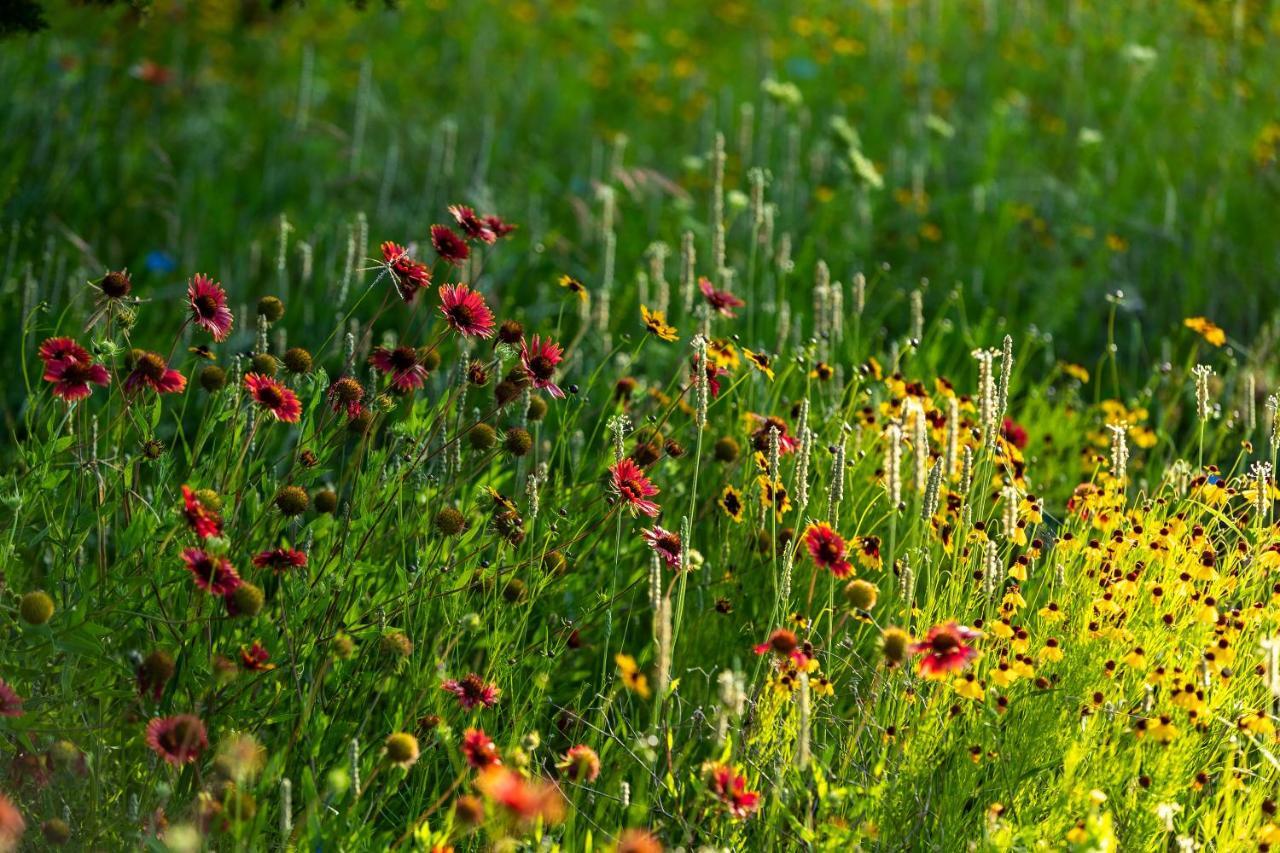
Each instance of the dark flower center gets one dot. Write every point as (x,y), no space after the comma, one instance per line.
(206,306)
(403,358)
(76,372)
(151,366)
(461,315)
(270,396)
(829,552)
(944,642)
(541,367)
(115,285)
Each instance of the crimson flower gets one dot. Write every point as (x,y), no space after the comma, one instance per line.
(465,311)
(179,739)
(722,301)
(54,349)
(209,306)
(945,648)
(630,484)
(784,644)
(152,371)
(1014,433)
(472,691)
(10,702)
(448,245)
(402,365)
(255,658)
(665,544)
(539,359)
(479,750)
(280,559)
(215,575)
(410,275)
(72,377)
(472,225)
(760,438)
(204,521)
(827,548)
(497,226)
(730,787)
(273,396)
(713,370)
(344,395)
(523,800)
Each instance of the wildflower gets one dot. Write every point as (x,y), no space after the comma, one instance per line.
(209,306)
(1014,433)
(630,484)
(1206,329)
(632,677)
(730,787)
(655,323)
(402,364)
(270,308)
(869,551)
(280,559)
(255,658)
(861,594)
(580,764)
(465,311)
(55,349)
(409,275)
(298,361)
(71,369)
(521,799)
(637,841)
(781,642)
(449,246)
(178,739)
(152,371)
(721,301)
(472,692)
(498,227)
(472,225)
(722,353)
(401,749)
(479,750)
(539,359)
(827,548)
(215,575)
(731,502)
(574,286)
(245,600)
(212,378)
(517,441)
(759,361)
(774,494)
(116,285)
(281,402)
(154,672)
(760,438)
(36,607)
(665,544)
(292,500)
(726,449)
(10,701)
(945,648)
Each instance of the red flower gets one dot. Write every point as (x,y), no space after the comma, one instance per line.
(581,764)
(10,702)
(56,349)
(781,642)
(497,226)
(344,395)
(280,559)
(539,358)
(465,311)
(827,548)
(730,787)
(630,484)
(179,739)
(449,245)
(203,520)
(409,275)
(215,575)
(479,749)
(274,397)
(255,658)
(760,438)
(402,365)
(209,306)
(524,800)
(713,371)
(473,226)
(71,377)
(945,648)
(665,543)
(152,371)
(472,692)
(11,824)
(721,300)
(1014,433)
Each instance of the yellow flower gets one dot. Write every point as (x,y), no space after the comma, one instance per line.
(574,286)
(1258,723)
(632,677)
(1077,372)
(1162,729)
(759,361)
(970,688)
(1206,329)
(655,322)
(723,354)
(731,502)
(774,494)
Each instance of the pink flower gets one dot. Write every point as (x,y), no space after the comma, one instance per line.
(448,245)
(152,371)
(273,396)
(57,349)
(472,692)
(179,739)
(280,559)
(539,358)
(402,365)
(465,311)
(409,275)
(473,226)
(209,306)
(630,484)
(945,648)
(722,301)
(827,548)
(72,378)
(497,226)
(665,543)
(215,575)
(10,702)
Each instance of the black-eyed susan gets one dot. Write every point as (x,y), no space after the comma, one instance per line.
(632,678)
(655,323)
(731,502)
(574,286)
(759,361)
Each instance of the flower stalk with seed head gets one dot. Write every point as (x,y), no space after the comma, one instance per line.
(893,463)
(1119,453)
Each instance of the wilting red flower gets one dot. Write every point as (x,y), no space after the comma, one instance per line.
(402,365)
(760,438)
(255,658)
(10,702)
(479,749)
(465,311)
(204,521)
(784,644)
(945,648)
(722,301)
(472,691)
(179,739)
(55,349)
(524,800)
(152,371)
(449,245)
(497,226)
(71,377)
(344,395)
(472,225)
(209,306)
(581,764)
(730,787)
(665,543)
(215,575)
(410,275)
(280,559)
(1014,433)
(539,358)
(827,548)
(630,484)
(273,396)
(11,825)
